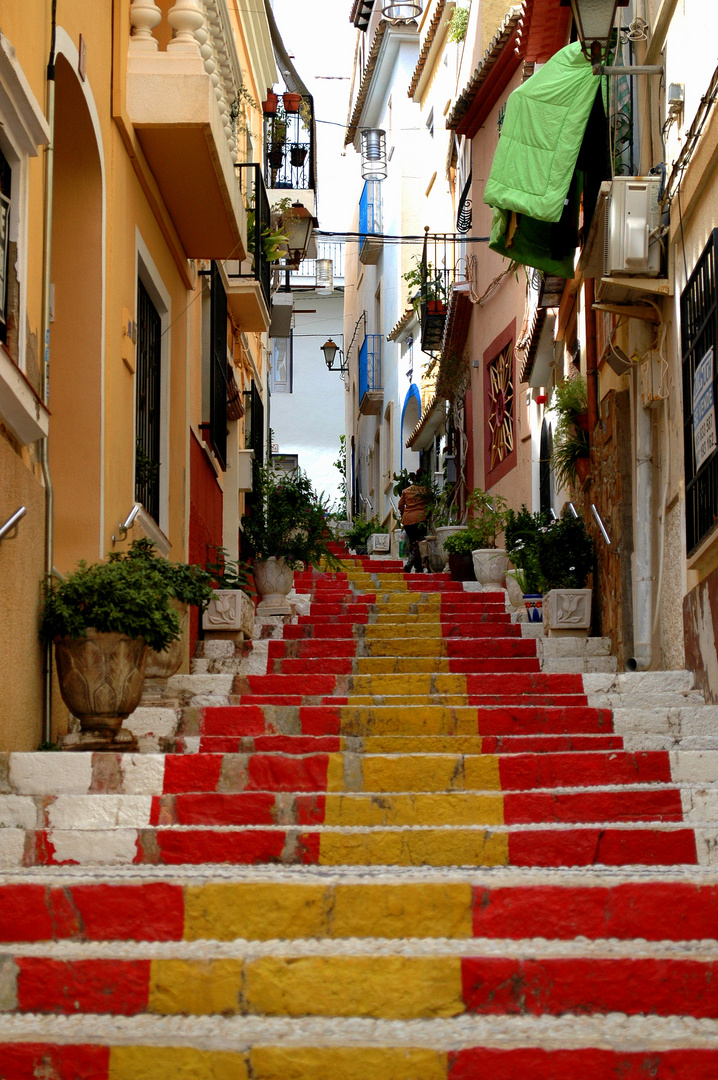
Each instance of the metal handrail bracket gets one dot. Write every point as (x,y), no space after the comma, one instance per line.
(11,523)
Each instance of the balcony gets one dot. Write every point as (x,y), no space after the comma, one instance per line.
(248,280)
(183,102)
(289,146)
(371,393)
(370,245)
(441,269)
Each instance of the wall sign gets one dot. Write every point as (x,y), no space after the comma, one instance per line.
(704,420)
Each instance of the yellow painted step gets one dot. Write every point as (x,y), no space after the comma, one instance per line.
(413,772)
(402,664)
(375,631)
(418,744)
(408,716)
(447,808)
(449,700)
(277,1063)
(400,684)
(414,847)
(405,646)
(264,911)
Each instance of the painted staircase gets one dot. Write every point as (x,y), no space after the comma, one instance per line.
(383,844)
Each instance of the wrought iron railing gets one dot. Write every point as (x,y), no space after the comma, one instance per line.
(442,266)
(370,364)
(370,210)
(289,147)
(254,193)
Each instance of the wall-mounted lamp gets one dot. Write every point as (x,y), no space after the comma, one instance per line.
(124,526)
(402,11)
(330,350)
(300,224)
(373,154)
(594,26)
(324,269)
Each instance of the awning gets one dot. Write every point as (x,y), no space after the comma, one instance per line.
(429,426)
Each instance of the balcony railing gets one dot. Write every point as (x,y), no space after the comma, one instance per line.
(442,267)
(370,370)
(370,222)
(254,193)
(289,148)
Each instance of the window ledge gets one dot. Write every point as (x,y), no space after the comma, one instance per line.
(20,407)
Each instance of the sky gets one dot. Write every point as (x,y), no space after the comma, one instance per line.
(321,40)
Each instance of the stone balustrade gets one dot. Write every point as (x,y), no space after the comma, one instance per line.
(200,28)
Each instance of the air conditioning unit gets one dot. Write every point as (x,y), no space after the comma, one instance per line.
(632,223)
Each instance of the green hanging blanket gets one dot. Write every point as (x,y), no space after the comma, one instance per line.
(541,137)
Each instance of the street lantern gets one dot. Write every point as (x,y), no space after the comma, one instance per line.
(324,270)
(300,223)
(373,154)
(594,25)
(402,12)
(330,350)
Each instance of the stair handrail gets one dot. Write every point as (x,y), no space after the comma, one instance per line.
(12,523)
(600,524)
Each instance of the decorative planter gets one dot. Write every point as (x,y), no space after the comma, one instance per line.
(534,608)
(436,307)
(276,155)
(516,596)
(432,551)
(568,612)
(490,566)
(291,102)
(101,678)
(229,616)
(442,531)
(161,665)
(269,107)
(461,567)
(298,155)
(274,580)
(379,542)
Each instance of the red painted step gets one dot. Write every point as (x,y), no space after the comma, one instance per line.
(588,1064)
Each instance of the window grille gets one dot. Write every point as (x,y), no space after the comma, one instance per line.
(218,367)
(699,335)
(148,389)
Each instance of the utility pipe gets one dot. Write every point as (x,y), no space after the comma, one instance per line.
(643,555)
(45,338)
(591,359)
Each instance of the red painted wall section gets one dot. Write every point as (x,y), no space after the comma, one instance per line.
(205,517)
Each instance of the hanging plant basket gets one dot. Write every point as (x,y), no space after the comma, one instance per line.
(298,155)
(269,107)
(292,102)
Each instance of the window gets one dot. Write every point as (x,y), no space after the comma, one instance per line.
(5,192)
(388,445)
(699,344)
(500,407)
(282,376)
(430,124)
(148,391)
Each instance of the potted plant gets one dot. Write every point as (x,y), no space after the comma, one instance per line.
(103,617)
(286,527)
(269,107)
(521,537)
(570,459)
(487,517)
(298,154)
(459,547)
(229,616)
(360,533)
(187,585)
(566,559)
(426,286)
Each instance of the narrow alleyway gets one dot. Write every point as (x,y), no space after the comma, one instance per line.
(399,850)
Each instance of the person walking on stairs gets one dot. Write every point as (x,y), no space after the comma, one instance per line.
(413,510)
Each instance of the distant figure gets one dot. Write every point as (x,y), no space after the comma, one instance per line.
(413,509)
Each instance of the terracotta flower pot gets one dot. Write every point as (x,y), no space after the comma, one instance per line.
(101,678)
(270,105)
(276,155)
(291,102)
(298,155)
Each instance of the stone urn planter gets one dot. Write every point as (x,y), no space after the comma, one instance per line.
(229,616)
(567,612)
(442,531)
(516,596)
(274,580)
(379,544)
(162,665)
(101,677)
(490,566)
(432,551)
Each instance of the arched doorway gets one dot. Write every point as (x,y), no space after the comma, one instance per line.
(76,345)
(410,416)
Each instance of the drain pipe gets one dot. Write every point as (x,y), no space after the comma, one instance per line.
(643,564)
(45,338)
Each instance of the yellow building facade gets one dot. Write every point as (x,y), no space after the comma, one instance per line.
(122,128)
